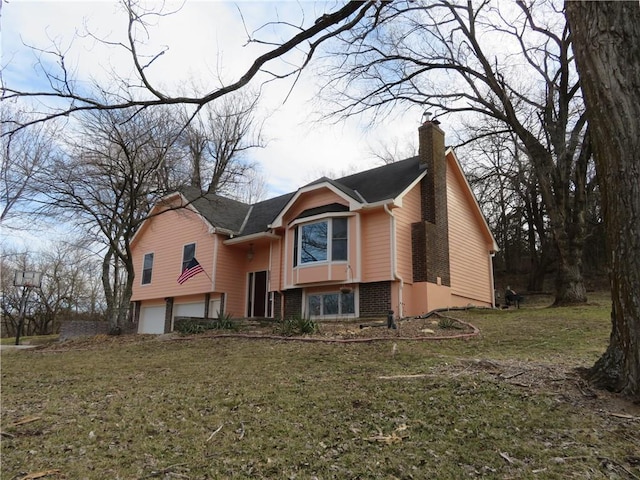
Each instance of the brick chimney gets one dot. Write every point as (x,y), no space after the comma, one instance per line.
(430,237)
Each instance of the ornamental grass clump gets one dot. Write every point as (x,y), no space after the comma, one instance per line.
(296,325)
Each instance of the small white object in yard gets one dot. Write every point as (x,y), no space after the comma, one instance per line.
(92,435)
(394,349)
(427,330)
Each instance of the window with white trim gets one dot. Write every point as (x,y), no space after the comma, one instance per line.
(188,253)
(331,304)
(147,268)
(324,241)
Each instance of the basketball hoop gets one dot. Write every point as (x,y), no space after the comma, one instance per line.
(27,279)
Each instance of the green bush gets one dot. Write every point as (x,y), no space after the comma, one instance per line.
(191,326)
(224,322)
(295,325)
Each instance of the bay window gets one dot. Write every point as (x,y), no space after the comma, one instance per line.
(323,241)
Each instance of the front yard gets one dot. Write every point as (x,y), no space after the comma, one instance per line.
(506,404)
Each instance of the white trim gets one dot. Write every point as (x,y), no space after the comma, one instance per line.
(356,305)
(397,202)
(195,249)
(153,261)
(250,238)
(319,217)
(394,263)
(214,262)
(329,260)
(353,204)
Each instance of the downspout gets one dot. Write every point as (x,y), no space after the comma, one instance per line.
(492,280)
(394,260)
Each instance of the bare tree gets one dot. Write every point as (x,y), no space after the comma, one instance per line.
(106,187)
(252,188)
(511,65)
(68,289)
(391,150)
(217,140)
(508,192)
(606,37)
(141,92)
(24,157)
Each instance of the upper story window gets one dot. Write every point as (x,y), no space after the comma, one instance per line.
(188,253)
(147,268)
(323,241)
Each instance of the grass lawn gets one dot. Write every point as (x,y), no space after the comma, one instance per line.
(33,340)
(508,404)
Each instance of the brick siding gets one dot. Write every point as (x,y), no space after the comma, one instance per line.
(430,237)
(292,303)
(375,299)
(87,328)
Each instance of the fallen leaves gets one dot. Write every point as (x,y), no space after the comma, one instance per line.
(394,437)
(41,474)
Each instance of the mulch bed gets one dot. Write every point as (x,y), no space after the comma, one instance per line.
(435,327)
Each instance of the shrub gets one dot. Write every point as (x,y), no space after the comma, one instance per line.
(447,323)
(295,326)
(191,326)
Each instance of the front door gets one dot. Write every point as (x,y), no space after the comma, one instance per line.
(257,294)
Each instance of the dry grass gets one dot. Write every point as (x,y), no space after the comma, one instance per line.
(506,405)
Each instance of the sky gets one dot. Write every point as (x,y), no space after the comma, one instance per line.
(207,40)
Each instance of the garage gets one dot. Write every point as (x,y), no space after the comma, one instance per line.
(151,320)
(188,310)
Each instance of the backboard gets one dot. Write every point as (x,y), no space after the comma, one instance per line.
(27,279)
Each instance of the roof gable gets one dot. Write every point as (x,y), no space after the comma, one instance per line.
(453,161)
(387,183)
(222,212)
(383,183)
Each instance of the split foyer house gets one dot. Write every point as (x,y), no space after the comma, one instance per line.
(408,237)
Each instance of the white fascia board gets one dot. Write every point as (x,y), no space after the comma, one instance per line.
(390,202)
(250,238)
(353,203)
(398,199)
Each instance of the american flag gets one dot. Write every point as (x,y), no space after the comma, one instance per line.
(192,269)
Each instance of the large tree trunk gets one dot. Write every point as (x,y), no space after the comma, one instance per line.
(606,43)
(567,226)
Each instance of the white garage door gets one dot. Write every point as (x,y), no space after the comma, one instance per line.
(151,320)
(188,310)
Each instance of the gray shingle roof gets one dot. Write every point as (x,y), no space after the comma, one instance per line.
(221,212)
(374,185)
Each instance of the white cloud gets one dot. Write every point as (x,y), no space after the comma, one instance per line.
(205,39)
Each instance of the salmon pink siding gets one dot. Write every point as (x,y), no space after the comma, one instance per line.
(405,217)
(313,199)
(384,225)
(406,297)
(231,277)
(470,245)
(376,246)
(317,273)
(165,236)
(276,265)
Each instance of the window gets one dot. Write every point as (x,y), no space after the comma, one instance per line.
(313,241)
(147,268)
(187,255)
(339,239)
(331,304)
